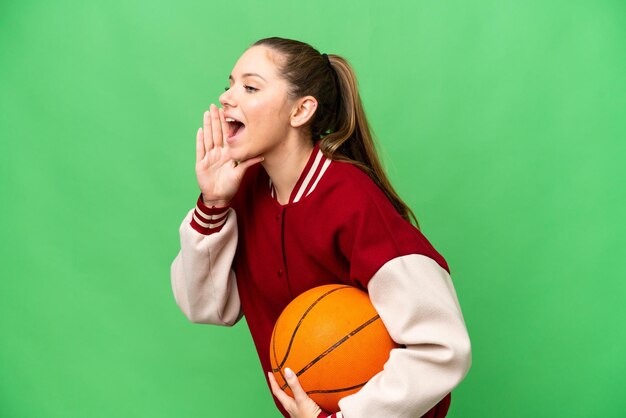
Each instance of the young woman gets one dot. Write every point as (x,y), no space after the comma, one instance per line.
(293,196)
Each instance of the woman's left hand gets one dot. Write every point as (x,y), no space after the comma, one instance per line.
(300,406)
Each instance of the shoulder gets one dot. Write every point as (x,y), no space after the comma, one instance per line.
(354,200)
(356,188)
(369,219)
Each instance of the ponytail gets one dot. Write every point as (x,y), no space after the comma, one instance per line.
(353,142)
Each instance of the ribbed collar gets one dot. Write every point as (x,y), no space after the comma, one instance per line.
(313,171)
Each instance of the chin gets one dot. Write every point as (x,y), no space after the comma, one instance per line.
(240,153)
(241,150)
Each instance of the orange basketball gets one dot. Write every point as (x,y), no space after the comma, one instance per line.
(333,339)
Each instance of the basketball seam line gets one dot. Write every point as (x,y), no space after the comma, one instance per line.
(334,346)
(295,331)
(310,392)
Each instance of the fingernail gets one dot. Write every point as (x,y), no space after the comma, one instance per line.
(288,372)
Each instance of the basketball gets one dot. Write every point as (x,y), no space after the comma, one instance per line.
(334,341)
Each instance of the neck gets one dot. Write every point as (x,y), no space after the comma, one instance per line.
(285,165)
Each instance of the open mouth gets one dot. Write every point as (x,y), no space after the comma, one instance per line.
(234,127)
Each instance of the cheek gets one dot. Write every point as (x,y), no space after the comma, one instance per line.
(268,114)
(255,112)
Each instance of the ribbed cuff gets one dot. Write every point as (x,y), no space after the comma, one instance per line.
(207,220)
(325,414)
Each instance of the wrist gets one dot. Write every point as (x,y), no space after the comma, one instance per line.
(208,220)
(214,203)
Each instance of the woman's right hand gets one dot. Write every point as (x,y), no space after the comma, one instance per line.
(219,176)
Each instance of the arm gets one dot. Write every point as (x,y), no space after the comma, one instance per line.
(203,282)
(417,302)
(415,298)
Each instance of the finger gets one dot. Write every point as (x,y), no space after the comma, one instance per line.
(216,126)
(224,126)
(284,399)
(208,140)
(292,380)
(199,145)
(244,165)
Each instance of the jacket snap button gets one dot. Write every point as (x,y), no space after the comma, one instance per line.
(280,273)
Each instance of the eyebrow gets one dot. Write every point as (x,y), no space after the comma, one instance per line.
(230,77)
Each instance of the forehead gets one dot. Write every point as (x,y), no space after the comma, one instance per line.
(260,60)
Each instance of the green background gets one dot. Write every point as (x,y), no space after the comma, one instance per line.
(501,123)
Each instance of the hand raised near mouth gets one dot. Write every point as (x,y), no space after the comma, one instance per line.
(219,176)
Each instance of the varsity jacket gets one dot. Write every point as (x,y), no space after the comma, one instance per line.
(255,256)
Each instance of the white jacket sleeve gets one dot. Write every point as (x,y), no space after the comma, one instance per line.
(417,302)
(203,281)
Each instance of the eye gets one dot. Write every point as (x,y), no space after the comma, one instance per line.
(250,89)
(226,88)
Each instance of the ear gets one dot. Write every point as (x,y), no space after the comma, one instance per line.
(303,111)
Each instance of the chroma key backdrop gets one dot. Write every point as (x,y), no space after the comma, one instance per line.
(501,123)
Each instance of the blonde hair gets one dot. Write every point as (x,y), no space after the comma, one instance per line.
(339,122)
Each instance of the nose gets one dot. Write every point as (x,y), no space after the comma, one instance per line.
(226,98)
